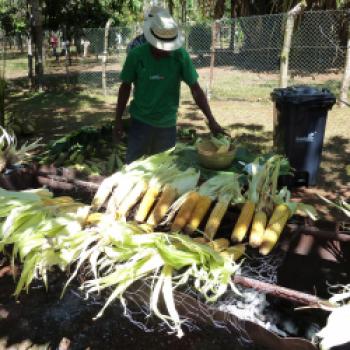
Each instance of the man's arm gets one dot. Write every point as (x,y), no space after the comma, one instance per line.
(202,102)
(123,97)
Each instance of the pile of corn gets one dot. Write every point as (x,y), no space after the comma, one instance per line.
(164,194)
(42,232)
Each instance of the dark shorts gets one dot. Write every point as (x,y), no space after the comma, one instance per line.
(144,139)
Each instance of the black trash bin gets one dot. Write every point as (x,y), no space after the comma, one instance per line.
(300,115)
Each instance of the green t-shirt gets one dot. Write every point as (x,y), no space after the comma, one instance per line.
(157,84)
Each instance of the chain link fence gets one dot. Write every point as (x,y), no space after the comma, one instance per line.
(236,59)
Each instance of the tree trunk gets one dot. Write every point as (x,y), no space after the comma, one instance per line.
(36,11)
(288,33)
(344,90)
(105,55)
(219,9)
(30,61)
(233,23)
(171,6)
(183,11)
(2,83)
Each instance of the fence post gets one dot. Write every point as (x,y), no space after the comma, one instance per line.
(287,40)
(346,78)
(104,56)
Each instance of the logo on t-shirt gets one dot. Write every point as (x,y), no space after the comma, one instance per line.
(156,77)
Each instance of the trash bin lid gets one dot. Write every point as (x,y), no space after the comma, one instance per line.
(303,94)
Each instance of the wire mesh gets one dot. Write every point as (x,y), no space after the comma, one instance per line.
(227,54)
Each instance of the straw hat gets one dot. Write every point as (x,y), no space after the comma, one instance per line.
(150,12)
(162,32)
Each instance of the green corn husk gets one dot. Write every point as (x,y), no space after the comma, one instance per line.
(10,154)
(37,232)
(124,253)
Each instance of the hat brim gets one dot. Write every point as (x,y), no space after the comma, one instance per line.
(160,44)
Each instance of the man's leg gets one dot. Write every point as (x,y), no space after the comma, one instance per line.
(163,139)
(139,140)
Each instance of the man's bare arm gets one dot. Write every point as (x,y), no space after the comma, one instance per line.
(202,102)
(123,97)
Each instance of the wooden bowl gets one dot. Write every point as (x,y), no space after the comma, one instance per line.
(209,158)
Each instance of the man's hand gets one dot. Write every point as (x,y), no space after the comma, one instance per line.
(118,131)
(215,128)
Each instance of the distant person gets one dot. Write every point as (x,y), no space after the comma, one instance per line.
(54,44)
(85,43)
(118,39)
(63,48)
(156,70)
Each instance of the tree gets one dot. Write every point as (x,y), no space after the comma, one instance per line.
(36,26)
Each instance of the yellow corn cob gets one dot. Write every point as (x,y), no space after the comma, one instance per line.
(64,199)
(201,208)
(258,229)
(146,228)
(274,228)
(201,240)
(243,222)
(131,199)
(234,252)
(219,244)
(43,193)
(48,202)
(214,220)
(93,218)
(146,204)
(185,212)
(166,199)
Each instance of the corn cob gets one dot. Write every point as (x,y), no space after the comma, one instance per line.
(131,199)
(219,244)
(93,218)
(64,199)
(147,202)
(201,240)
(215,219)
(258,229)
(118,195)
(105,190)
(234,252)
(243,222)
(274,228)
(146,228)
(202,206)
(167,197)
(185,212)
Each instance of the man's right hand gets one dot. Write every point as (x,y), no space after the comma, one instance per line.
(118,131)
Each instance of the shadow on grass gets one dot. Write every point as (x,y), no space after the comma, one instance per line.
(56,113)
(252,136)
(336,155)
(73,80)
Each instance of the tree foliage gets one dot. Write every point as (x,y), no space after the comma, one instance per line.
(12,16)
(71,14)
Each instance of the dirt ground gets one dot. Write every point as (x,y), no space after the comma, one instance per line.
(41,320)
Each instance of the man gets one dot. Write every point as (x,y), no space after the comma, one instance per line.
(156,69)
(54,44)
